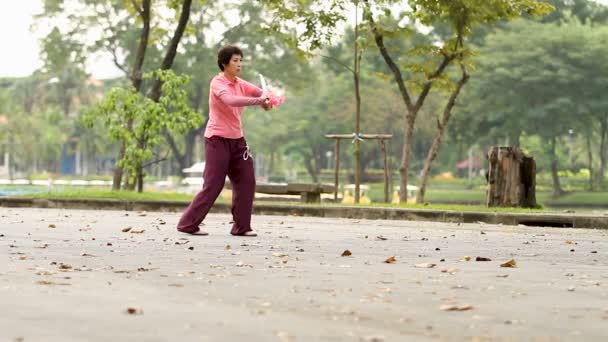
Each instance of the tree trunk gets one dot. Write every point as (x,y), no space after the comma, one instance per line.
(167,63)
(603,153)
(441,126)
(412,108)
(311,168)
(405,157)
(118,171)
(136,80)
(511,178)
(590,162)
(557,188)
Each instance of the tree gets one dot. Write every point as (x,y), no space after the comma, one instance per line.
(115,18)
(149,117)
(462,17)
(540,79)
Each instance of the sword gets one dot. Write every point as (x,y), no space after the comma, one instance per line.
(263,84)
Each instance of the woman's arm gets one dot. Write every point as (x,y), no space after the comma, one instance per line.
(239,101)
(225,96)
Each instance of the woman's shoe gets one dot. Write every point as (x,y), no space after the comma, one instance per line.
(200,232)
(251,233)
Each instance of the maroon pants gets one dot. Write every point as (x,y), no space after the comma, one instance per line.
(223,157)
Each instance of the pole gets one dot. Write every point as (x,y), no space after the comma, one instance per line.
(384,152)
(336,176)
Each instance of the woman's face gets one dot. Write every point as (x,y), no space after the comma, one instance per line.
(233,67)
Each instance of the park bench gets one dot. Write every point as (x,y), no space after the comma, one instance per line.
(308,192)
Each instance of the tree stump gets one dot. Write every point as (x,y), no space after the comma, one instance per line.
(511,178)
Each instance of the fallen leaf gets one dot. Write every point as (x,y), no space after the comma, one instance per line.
(176,285)
(125,230)
(280,255)
(86,255)
(134,311)
(137,231)
(466,258)
(381,238)
(23,257)
(42,246)
(391,260)
(450,270)
(482,259)
(52,226)
(46,282)
(65,267)
(346,253)
(510,263)
(426,265)
(502,276)
(569,242)
(191,248)
(453,307)
(228,247)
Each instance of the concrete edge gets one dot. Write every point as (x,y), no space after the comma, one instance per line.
(544,220)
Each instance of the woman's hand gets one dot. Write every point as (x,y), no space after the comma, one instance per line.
(266,105)
(266,102)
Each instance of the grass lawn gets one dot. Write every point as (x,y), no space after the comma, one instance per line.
(439,199)
(90,193)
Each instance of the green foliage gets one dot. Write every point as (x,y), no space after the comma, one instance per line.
(134,118)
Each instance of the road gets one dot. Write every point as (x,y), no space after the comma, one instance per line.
(79,275)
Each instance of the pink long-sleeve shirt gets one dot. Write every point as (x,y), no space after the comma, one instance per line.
(226,102)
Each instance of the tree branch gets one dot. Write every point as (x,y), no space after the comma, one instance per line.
(137,7)
(339,62)
(116,62)
(379,39)
(167,62)
(136,73)
(156,161)
(447,59)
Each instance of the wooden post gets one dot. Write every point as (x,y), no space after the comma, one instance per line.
(511,178)
(384,152)
(337,175)
(339,137)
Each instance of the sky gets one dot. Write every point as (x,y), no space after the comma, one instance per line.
(20,47)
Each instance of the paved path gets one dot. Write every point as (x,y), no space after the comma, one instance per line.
(72,275)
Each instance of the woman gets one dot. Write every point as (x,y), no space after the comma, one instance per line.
(227,153)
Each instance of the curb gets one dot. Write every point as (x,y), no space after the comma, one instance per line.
(540,220)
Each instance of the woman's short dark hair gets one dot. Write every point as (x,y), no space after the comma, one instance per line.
(226,53)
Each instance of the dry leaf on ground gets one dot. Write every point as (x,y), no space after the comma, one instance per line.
(482,259)
(426,265)
(346,253)
(125,230)
(391,260)
(134,311)
(454,307)
(510,263)
(137,231)
(450,270)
